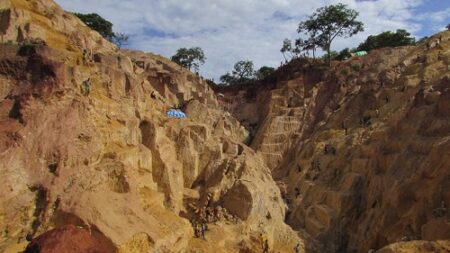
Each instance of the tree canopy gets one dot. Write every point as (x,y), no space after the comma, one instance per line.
(448,27)
(96,22)
(228,79)
(242,72)
(104,27)
(190,58)
(120,39)
(343,54)
(387,39)
(329,22)
(288,50)
(263,72)
(312,43)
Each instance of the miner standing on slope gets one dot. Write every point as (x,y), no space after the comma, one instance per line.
(87,87)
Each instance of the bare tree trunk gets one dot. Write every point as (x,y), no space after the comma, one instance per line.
(329,54)
(329,51)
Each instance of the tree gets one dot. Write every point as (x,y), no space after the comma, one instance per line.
(343,54)
(243,70)
(190,58)
(263,72)
(387,39)
(329,22)
(306,45)
(288,50)
(242,73)
(104,27)
(228,79)
(97,23)
(120,39)
(448,27)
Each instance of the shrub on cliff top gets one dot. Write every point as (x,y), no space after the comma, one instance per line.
(387,39)
(104,27)
(96,22)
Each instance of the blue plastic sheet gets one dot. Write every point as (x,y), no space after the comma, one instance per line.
(173,113)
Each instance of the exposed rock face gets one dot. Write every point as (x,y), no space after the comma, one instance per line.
(362,153)
(85,141)
(359,152)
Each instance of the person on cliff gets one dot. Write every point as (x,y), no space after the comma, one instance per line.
(197,232)
(203,230)
(87,87)
(266,247)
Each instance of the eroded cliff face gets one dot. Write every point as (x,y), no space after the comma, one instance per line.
(362,152)
(85,141)
(347,159)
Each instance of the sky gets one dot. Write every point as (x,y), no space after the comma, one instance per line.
(233,30)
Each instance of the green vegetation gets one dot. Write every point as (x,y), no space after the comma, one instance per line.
(104,27)
(387,39)
(227,79)
(306,45)
(243,73)
(448,27)
(120,39)
(321,28)
(96,22)
(343,54)
(243,70)
(288,50)
(190,58)
(327,23)
(264,72)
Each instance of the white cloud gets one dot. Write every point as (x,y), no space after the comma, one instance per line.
(436,17)
(231,30)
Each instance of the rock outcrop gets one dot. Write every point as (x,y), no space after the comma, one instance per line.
(353,158)
(86,142)
(68,239)
(362,152)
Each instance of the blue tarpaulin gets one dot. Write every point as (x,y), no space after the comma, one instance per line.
(173,113)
